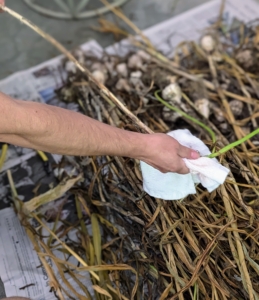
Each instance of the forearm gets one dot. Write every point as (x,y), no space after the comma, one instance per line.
(61,131)
(57,130)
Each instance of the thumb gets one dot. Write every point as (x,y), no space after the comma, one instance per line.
(188,153)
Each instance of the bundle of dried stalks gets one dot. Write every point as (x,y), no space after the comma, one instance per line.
(203,247)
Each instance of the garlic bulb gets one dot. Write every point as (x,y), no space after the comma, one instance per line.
(123,85)
(99,76)
(203,106)
(169,115)
(224,86)
(216,56)
(67,94)
(110,67)
(145,101)
(80,55)
(255,159)
(58,172)
(236,107)
(246,130)
(70,67)
(122,70)
(218,114)
(144,55)
(98,66)
(245,58)
(135,62)
(224,127)
(208,43)
(135,77)
(136,74)
(172,92)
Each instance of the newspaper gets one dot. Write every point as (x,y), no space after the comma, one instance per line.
(18,261)
(166,35)
(21,270)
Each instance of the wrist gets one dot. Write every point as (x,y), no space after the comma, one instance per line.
(139,143)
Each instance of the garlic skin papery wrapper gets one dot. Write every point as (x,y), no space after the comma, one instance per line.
(172,93)
(208,43)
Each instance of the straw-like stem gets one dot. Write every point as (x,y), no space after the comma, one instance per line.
(235,144)
(3,155)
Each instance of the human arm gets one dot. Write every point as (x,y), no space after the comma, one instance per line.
(56,130)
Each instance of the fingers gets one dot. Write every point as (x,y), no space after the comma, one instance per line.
(188,153)
(179,170)
(182,169)
(2,2)
(178,167)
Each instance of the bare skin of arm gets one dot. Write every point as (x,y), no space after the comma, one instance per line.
(56,130)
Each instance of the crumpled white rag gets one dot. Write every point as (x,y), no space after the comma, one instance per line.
(172,186)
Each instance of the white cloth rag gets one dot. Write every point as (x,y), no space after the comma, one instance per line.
(172,186)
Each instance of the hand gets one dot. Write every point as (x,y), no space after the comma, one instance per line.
(166,154)
(2,2)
